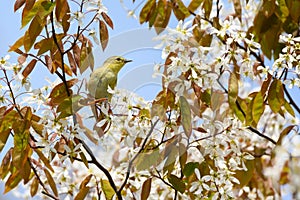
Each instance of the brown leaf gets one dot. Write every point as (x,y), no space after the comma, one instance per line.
(103,34)
(29,68)
(18,4)
(108,20)
(49,64)
(34,187)
(146,189)
(51,182)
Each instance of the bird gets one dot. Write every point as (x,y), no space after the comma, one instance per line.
(105,76)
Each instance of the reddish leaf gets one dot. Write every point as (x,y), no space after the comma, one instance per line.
(22,58)
(49,63)
(108,20)
(103,34)
(29,68)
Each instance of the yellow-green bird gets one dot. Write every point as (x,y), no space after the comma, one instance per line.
(105,76)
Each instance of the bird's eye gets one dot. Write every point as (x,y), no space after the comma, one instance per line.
(119,59)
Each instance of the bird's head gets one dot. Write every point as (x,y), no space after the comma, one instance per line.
(116,63)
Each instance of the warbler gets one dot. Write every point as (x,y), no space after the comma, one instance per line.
(105,76)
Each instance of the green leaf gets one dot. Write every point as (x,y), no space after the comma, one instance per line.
(194,5)
(207,6)
(283,10)
(29,11)
(180,10)
(276,96)
(289,108)
(233,88)
(258,107)
(45,8)
(146,160)
(245,176)
(13,181)
(186,116)
(177,183)
(190,168)
(146,11)
(107,189)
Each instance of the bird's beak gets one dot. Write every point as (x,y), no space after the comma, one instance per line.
(126,61)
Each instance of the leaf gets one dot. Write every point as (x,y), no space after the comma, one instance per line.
(207,6)
(51,181)
(45,8)
(146,189)
(85,181)
(179,9)
(189,168)
(18,4)
(6,164)
(76,52)
(28,69)
(107,189)
(17,44)
(233,96)
(283,133)
(34,187)
(44,45)
(82,193)
(283,10)
(12,181)
(245,176)
(146,11)
(289,108)
(276,96)
(44,159)
(33,31)
(258,107)
(103,34)
(58,93)
(162,19)
(238,9)
(108,20)
(25,171)
(29,11)
(194,5)
(177,183)
(146,160)
(186,116)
